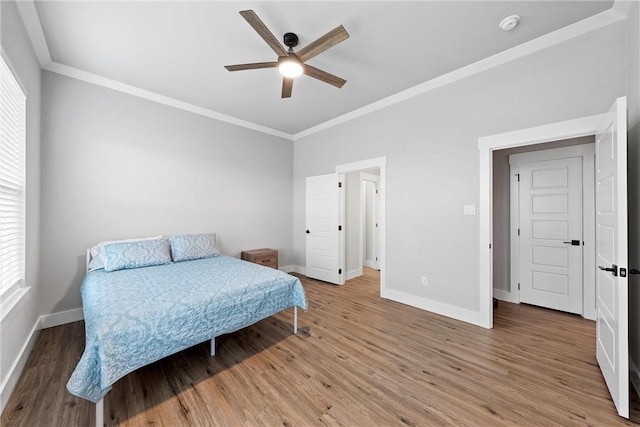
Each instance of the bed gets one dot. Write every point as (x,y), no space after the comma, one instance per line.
(137,315)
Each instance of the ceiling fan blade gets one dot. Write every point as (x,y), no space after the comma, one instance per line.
(330,39)
(252,66)
(257,24)
(323,76)
(287,87)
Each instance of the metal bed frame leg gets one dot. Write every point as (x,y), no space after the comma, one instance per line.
(213,346)
(295,320)
(100,413)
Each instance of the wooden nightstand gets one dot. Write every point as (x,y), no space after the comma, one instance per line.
(266,257)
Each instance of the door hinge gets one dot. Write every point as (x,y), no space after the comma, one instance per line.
(518,231)
(376,258)
(518,175)
(489,245)
(339,228)
(518,286)
(339,271)
(376,225)
(376,191)
(339,185)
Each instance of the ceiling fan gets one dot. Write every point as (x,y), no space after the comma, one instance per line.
(291,64)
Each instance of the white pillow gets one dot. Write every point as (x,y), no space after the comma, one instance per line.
(98,257)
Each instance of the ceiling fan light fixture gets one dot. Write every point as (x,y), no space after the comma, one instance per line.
(290,66)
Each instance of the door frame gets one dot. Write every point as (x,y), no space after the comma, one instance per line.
(587,152)
(486,145)
(379,163)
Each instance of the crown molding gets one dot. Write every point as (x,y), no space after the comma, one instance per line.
(569,32)
(31,19)
(623,6)
(161,99)
(29,13)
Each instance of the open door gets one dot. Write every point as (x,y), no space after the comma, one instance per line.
(324,234)
(611,255)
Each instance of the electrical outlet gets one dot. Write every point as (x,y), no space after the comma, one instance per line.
(424,280)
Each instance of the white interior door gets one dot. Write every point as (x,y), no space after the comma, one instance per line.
(551,245)
(611,255)
(323,231)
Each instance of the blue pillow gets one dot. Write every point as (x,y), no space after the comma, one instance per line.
(142,253)
(194,246)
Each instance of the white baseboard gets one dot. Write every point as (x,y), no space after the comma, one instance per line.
(436,307)
(370,264)
(299,269)
(302,270)
(507,296)
(60,318)
(634,375)
(14,373)
(287,268)
(354,273)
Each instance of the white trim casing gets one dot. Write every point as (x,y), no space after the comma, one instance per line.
(9,383)
(354,273)
(507,296)
(436,307)
(287,268)
(546,133)
(61,318)
(299,269)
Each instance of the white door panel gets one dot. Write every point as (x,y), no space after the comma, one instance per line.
(550,218)
(611,255)
(323,259)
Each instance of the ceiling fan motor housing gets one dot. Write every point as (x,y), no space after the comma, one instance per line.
(290,39)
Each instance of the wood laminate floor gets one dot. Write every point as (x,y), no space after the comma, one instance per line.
(357,360)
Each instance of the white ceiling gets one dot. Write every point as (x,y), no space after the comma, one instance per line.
(178,49)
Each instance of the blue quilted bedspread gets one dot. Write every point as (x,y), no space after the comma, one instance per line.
(135,317)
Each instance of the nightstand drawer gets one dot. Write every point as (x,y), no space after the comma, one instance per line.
(266,257)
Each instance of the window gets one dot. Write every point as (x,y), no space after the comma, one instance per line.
(12,181)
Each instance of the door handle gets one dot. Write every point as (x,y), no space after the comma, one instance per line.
(573,243)
(613,269)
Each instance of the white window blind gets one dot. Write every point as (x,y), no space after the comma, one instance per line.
(12,181)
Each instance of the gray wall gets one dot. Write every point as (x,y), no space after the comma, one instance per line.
(431,144)
(118,166)
(16,326)
(633,122)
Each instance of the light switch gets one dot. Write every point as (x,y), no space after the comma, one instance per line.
(469,209)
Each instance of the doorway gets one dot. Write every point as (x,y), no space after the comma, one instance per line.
(354,260)
(522,239)
(611,233)
(361,222)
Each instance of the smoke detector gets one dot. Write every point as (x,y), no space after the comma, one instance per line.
(509,23)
